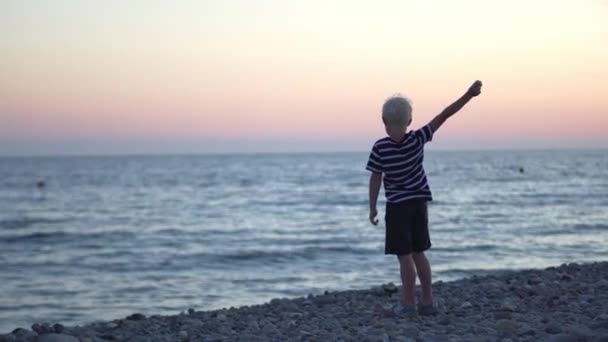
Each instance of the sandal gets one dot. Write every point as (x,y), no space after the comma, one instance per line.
(427,309)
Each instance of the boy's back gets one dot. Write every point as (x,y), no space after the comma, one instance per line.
(401,163)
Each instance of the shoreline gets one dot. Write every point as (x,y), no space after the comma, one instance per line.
(564,303)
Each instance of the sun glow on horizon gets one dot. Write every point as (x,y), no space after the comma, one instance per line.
(273,70)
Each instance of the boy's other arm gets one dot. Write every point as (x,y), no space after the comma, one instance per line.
(375,180)
(452,109)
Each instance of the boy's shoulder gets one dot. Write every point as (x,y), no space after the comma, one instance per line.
(382,141)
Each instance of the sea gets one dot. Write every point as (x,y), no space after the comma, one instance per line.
(107,236)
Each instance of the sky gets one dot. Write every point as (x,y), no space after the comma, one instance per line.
(105,77)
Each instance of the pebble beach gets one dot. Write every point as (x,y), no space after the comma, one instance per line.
(565,303)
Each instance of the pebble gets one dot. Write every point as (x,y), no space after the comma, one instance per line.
(444,320)
(502,315)
(466,305)
(390,288)
(58,328)
(136,317)
(509,304)
(52,337)
(8,338)
(507,327)
(553,328)
(562,338)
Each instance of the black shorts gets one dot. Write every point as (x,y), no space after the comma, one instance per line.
(407,228)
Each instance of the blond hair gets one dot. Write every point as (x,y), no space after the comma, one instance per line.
(397,111)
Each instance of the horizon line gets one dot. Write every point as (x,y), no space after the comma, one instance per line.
(305,152)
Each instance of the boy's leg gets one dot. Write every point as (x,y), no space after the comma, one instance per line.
(424,274)
(408,279)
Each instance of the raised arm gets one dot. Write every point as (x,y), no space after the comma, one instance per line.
(452,109)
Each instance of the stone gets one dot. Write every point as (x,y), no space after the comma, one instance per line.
(502,315)
(136,317)
(323,300)
(8,338)
(37,328)
(411,332)
(507,327)
(19,332)
(535,280)
(58,328)
(509,304)
(466,305)
(295,315)
(390,288)
(52,337)
(528,332)
(444,320)
(562,338)
(183,335)
(553,328)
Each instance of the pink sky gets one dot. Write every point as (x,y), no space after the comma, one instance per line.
(198,75)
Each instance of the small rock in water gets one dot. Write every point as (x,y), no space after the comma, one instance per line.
(47,328)
(136,317)
(18,332)
(58,328)
(37,328)
(390,288)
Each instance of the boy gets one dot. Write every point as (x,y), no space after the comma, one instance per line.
(399,157)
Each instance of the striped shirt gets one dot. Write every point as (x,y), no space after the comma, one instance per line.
(401,163)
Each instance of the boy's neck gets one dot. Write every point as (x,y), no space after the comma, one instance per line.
(396,135)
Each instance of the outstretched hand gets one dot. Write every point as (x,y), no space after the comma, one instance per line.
(475,89)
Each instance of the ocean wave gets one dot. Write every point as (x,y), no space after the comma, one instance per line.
(280,255)
(26,222)
(63,236)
